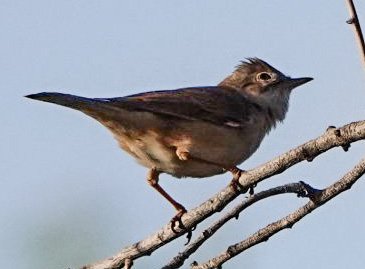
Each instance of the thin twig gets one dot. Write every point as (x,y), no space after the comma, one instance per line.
(333,137)
(301,189)
(354,20)
(264,234)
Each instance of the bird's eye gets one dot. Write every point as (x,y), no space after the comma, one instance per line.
(263,76)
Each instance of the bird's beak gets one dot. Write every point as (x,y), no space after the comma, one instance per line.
(292,83)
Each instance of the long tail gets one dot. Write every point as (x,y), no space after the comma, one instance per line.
(68,100)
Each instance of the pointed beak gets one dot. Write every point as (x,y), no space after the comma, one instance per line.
(292,83)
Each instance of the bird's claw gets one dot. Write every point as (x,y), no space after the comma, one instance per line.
(177,218)
(235,184)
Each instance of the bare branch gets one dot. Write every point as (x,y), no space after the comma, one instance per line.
(354,20)
(301,189)
(333,137)
(264,234)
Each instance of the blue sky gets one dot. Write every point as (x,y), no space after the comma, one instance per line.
(69,196)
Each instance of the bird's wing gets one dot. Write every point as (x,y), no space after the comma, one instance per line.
(213,104)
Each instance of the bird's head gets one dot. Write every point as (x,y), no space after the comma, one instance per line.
(264,84)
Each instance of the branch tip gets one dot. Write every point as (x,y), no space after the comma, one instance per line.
(354,21)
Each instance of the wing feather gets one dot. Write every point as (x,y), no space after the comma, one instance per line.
(213,104)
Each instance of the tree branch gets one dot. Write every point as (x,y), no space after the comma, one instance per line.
(264,234)
(354,20)
(333,137)
(301,189)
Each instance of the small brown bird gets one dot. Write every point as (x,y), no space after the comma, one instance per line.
(193,132)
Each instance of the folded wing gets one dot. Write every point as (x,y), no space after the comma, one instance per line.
(213,104)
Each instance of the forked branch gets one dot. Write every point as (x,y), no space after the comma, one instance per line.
(301,189)
(264,234)
(333,137)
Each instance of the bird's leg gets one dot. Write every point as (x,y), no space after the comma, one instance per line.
(152,179)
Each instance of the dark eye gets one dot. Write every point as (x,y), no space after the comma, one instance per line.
(264,76)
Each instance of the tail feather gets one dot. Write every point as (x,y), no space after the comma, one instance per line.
(68,100)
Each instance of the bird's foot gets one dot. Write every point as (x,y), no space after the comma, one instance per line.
(235,184)
(177,219)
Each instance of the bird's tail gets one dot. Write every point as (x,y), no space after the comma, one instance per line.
(68,100)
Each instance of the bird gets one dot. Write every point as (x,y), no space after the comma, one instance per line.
(193,132)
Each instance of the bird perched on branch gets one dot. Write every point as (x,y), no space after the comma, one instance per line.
(193,132)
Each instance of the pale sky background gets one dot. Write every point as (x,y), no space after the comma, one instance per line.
(69,196)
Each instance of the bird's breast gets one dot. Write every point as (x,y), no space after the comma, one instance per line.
(155,141)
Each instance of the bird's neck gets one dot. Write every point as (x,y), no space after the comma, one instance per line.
(274,108)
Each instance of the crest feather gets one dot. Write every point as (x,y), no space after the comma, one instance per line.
(252,65)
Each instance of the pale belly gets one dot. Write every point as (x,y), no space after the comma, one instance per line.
(154,143)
